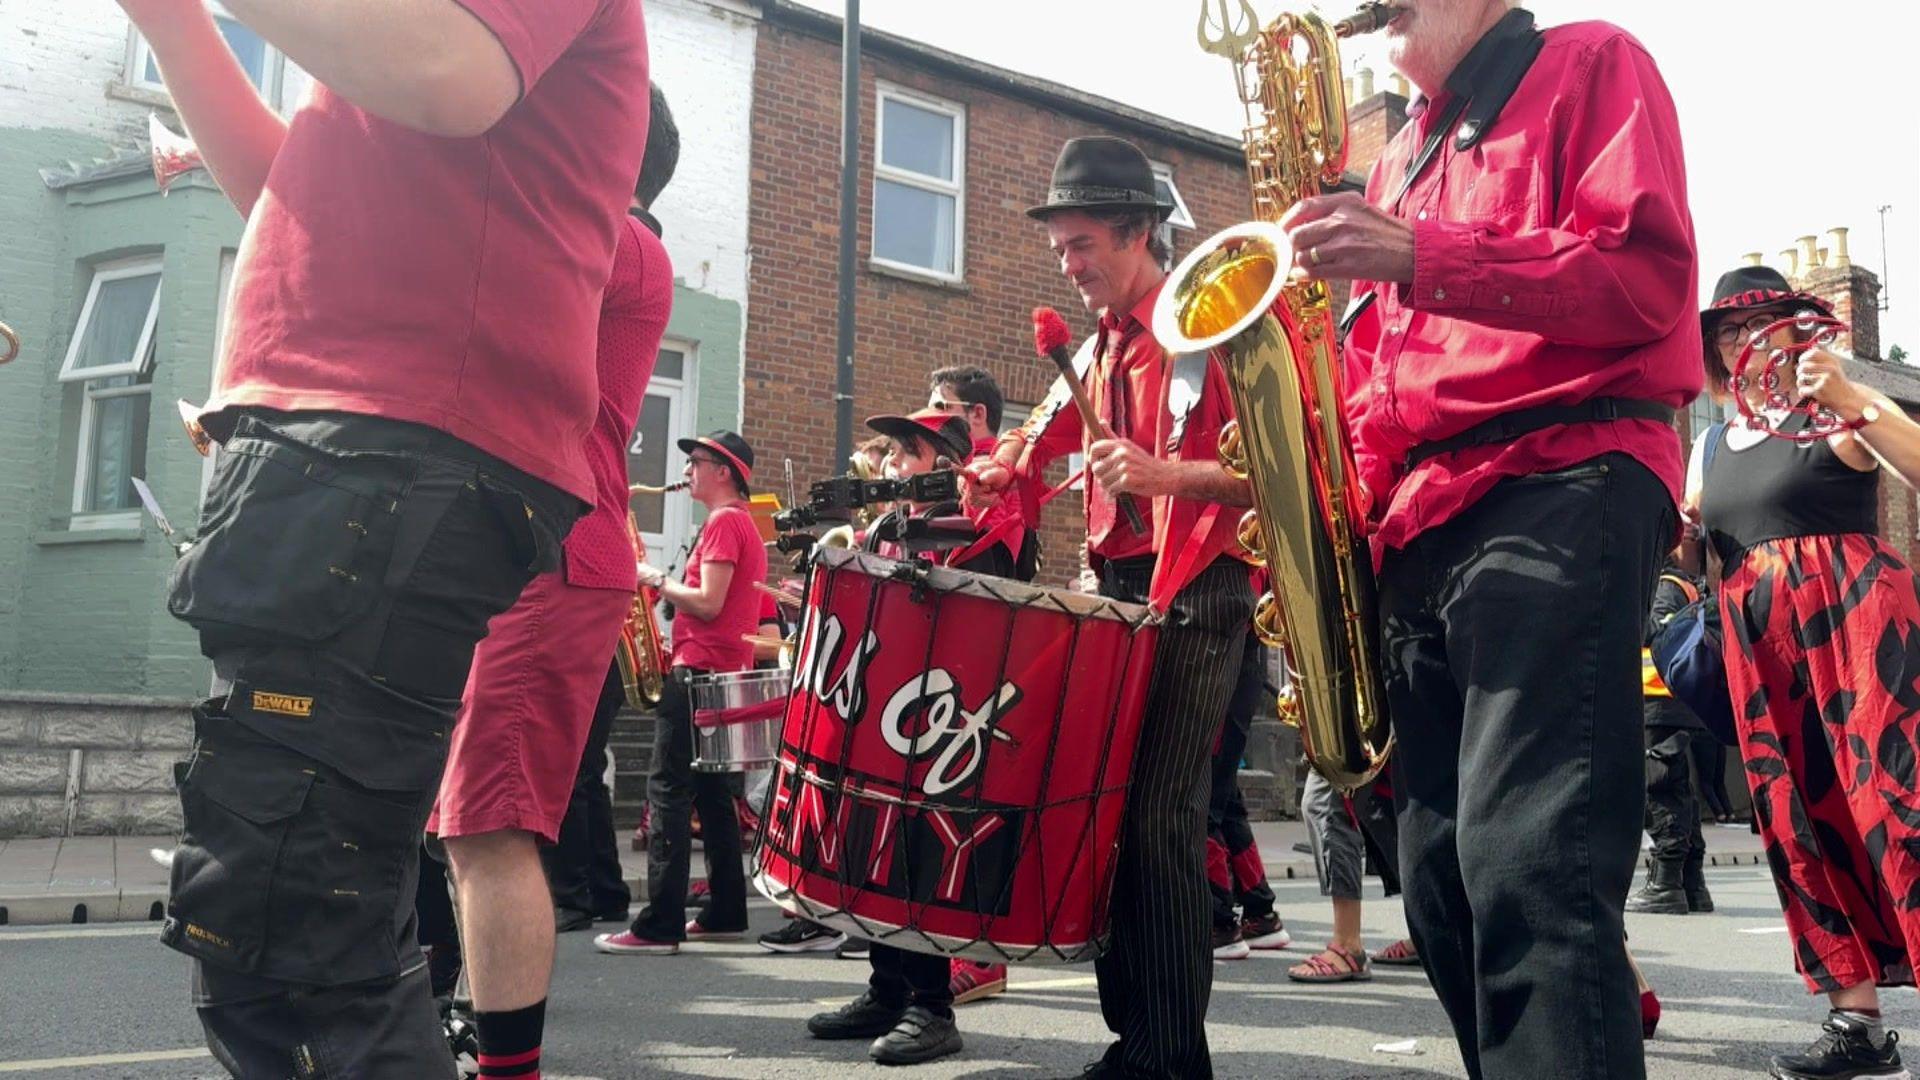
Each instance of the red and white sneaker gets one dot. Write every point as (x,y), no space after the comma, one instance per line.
(1265,933)
(971,982)
(1228,944)
(627,943)
(697,932)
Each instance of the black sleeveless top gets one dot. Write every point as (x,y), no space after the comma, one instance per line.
(1780,488)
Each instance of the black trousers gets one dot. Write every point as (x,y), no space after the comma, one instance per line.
(345,570)
(1673,813)
(1511,637)
(676,791)
(1227,823)
(1710,769)
(1157,973)
(583,863)
(901,978)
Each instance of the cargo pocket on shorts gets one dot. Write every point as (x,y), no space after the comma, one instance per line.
(294,541)
(345,857)
(239,795)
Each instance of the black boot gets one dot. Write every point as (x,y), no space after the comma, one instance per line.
(1844,1051)
(1662,894)
(1693,879)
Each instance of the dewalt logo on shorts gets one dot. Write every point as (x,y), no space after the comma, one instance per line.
(283,704)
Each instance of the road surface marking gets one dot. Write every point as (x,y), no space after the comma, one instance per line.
(103,1059)
(137,930)
(1764,930)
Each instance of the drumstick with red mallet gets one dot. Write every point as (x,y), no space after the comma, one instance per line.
(1050,337)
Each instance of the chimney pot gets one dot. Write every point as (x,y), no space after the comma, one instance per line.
(1348,80)
(1399,84)
(1809,255)
(1753,258)
(1791,258)
(1841,259)
(1365,75)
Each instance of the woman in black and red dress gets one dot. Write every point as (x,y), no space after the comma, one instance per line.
(1822,625)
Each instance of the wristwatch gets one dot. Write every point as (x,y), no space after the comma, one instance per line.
(1868,414)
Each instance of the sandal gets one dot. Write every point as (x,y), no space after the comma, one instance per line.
(1399,954)
(1331,965)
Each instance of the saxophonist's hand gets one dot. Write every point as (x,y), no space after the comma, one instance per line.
(1343,237)
(651,576)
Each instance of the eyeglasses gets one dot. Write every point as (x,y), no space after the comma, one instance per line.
(1730,332)
(697,459)
(945,405)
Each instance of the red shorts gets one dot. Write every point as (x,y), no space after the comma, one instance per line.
(530,698)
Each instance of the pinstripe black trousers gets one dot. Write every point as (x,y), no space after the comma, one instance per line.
(1158,971)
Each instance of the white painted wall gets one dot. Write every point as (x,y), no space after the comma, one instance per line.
(702,59)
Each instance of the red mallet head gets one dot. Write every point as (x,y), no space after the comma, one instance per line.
(1049,331)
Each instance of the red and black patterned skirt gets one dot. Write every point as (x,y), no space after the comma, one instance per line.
(1823,658)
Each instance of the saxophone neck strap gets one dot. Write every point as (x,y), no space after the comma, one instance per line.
(1480,86)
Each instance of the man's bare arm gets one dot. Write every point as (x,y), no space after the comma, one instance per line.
(430,65)
(237,135)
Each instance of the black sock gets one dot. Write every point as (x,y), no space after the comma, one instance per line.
(510,1041)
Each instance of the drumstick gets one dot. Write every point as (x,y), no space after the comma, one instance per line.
(1050,337)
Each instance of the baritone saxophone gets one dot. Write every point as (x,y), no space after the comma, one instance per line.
(1275,340)
(641,652)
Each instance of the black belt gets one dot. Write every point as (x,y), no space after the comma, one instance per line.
(1507,427)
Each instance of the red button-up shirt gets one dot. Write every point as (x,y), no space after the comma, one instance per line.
(1128,354)
(1553,263)
(633,316)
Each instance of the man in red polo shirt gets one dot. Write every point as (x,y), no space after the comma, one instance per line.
(1100,215)
(404,400)
(716,607)
(1510,387)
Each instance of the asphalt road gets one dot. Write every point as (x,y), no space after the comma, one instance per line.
(108,1001)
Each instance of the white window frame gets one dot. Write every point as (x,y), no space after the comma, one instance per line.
(273,65)
(84,518)
(1180,218)
(118,270)
(676,520)
(957,187)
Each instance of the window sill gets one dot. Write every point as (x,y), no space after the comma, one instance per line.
(140,95)
(63,537)
(918,277)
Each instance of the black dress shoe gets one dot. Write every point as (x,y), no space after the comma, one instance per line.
(919,1036)
(862,1018)
(566,919)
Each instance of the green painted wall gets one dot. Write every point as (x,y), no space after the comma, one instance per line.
(715,328)
(83,611)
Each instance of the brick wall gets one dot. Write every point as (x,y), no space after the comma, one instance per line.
(906,328)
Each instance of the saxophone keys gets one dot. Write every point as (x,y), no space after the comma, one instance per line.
(1232,453)
(1251,540)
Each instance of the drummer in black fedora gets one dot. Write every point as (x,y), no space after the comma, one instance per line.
(716,605)
(1101,214)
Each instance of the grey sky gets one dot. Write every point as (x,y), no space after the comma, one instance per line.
(1794,115)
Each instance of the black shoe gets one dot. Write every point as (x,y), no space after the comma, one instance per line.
(919,1036)
(1693,879)
(1844,1051)
(614,911)
(862,1018)
(801,935)
(1662,894)
(854,948)
(566,920)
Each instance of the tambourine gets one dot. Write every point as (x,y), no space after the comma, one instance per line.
(12,344)
(1774,371)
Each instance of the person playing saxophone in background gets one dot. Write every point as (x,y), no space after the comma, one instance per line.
(1529,256)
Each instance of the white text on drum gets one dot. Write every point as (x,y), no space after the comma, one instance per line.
(936,693)
(848,693)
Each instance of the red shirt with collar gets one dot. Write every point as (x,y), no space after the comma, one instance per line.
(452,282)
(717,644)
(1130,370)
(1553,263)
(633,316)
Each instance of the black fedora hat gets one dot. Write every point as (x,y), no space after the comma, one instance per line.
(732,449)
(1099,172)
(1748,287)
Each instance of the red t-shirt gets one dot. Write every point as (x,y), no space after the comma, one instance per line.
(1553,264)
(716,644)
(638,300)
(452,282)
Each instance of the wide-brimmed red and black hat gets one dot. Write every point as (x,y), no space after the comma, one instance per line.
(946,431)
(1751,287)
(1100,172)
(732,449)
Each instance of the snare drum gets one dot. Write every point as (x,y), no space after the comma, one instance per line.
(736,719)
(953,763)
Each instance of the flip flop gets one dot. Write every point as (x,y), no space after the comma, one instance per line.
(1331,965)
(1399,954)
